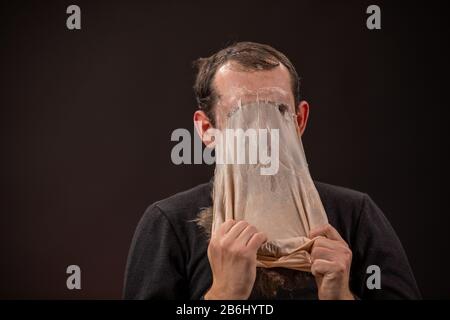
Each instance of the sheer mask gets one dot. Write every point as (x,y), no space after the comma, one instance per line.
(282,203)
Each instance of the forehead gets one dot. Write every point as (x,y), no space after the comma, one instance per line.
(231,76)
(235,85)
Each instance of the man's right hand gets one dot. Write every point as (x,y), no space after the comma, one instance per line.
(232,256)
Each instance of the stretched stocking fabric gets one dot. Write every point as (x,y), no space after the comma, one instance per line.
(284,205)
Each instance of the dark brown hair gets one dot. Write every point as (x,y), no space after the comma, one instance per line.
(249,55)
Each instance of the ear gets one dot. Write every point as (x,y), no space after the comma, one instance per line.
(302,116)
(202,125)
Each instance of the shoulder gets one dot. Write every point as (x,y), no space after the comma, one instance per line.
(341,199)
(339,195)
(186,203)
(173,219)
(179,209)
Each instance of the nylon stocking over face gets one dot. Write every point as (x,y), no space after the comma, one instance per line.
(277,196)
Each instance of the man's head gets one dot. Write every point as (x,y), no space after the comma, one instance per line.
(244,65)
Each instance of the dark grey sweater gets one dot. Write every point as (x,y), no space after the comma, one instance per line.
(168,260)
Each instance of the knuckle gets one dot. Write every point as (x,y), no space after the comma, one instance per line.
(262,236)
(317,251)
(226,224)
(228,251)
(340,267)
(349,253)
(313,269)
(318,242)
(242,252)
(224,244)
(238,251)
(242,222)
(345,244)
(252,229)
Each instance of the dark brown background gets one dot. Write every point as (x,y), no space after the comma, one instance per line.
(86,118)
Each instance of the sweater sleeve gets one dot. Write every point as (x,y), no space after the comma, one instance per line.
(376,244)
(155,266)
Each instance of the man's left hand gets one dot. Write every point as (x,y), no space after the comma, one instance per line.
(331,259)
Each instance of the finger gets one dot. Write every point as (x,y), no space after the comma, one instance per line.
(326,231)
(256,241)
(320,253)
(246,235)
(321,267)
(235,230)
(329,244)
(226,226)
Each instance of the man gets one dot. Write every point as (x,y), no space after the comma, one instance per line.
(172,258)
